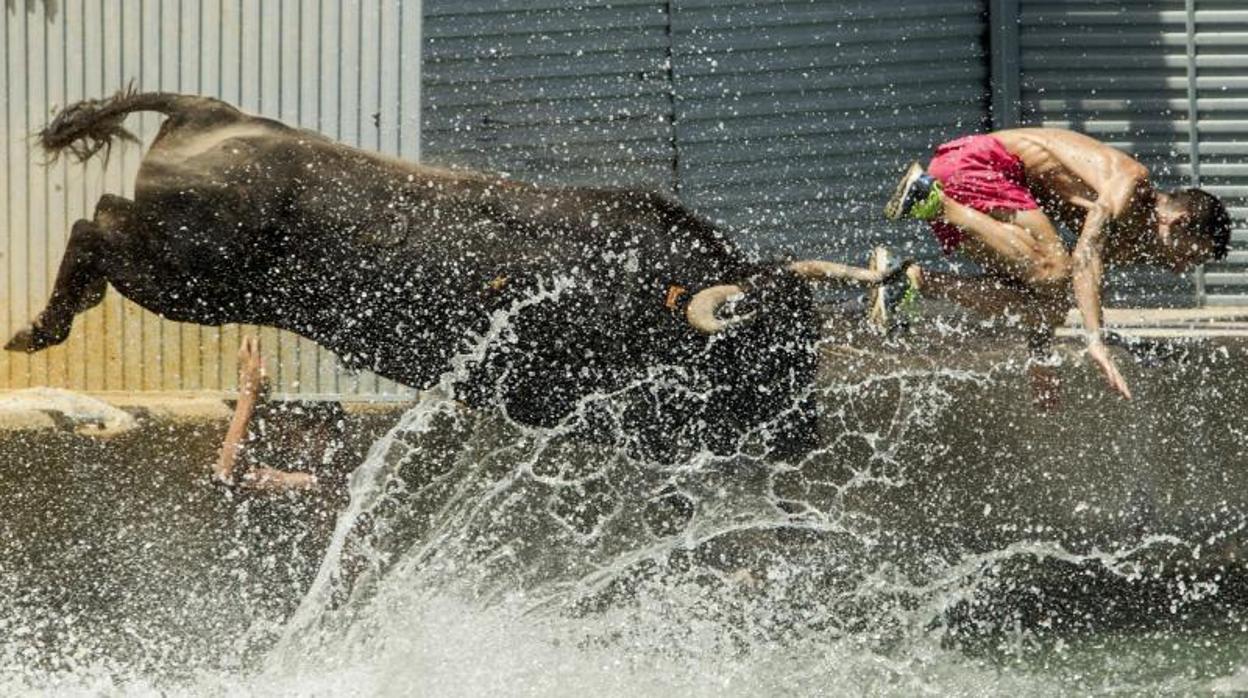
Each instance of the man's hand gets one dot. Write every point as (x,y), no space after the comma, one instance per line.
(251,373)
(1099,354)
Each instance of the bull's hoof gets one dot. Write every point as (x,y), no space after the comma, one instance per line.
(32,339)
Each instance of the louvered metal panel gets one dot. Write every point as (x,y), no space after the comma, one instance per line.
(1221,95)
(1120,72)
(550,91)
(349,69)
(794,119)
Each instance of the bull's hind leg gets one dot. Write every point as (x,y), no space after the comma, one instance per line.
(80,281)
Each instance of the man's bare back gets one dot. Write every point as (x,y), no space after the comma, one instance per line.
(1063,167)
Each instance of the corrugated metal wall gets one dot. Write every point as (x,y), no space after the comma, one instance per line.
(1220,58)
(794,119)
(788,120)
(546,90)
(1120,72)
(348,69)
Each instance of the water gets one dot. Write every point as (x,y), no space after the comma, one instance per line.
(479,557)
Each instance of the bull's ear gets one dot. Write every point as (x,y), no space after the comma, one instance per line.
(701,313)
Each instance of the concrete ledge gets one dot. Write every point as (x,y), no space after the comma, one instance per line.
(53,408)
(1170,323)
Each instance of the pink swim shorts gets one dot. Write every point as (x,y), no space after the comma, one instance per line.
(977,171)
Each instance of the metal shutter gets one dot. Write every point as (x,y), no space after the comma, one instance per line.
(547,91)
(1221,91)
(794,119)
(1119,72)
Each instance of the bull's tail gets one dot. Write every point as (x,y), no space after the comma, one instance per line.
(87,127)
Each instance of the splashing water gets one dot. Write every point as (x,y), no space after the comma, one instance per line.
(503,559)
(479,556)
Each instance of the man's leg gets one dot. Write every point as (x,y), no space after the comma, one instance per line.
(1027,247)
(251,380)
(252,385)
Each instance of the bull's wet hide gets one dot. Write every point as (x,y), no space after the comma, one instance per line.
(534,297)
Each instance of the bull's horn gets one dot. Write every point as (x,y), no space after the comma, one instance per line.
(702,307)
(819,270)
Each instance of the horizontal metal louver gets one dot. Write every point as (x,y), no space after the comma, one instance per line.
(1119,72)
(1221,72)
(547,91)
(794,119)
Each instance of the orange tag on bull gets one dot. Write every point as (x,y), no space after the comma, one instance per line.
(673,296)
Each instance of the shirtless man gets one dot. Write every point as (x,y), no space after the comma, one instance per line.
(996,198)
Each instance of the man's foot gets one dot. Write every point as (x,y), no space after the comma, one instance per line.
(917,196)
(899,288)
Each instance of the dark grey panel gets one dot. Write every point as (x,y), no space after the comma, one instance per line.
(795,118)
(792,118)
(549,92)
(1222,130)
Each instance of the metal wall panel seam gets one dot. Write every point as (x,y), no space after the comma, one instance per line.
(8,322)
(1004,47)
(1192,133)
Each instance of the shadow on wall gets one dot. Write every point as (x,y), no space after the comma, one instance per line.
(1117,73)
(49,7)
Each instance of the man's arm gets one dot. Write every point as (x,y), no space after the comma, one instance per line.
(250,385)
(1087,274)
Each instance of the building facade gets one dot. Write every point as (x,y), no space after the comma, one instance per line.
(787,121)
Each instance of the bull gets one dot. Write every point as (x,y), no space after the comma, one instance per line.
(542,299)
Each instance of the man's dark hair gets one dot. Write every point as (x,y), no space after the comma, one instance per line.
(1206,217)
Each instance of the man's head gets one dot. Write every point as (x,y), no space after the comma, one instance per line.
(1193,227)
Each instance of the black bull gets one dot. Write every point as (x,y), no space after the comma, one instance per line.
(548,295)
